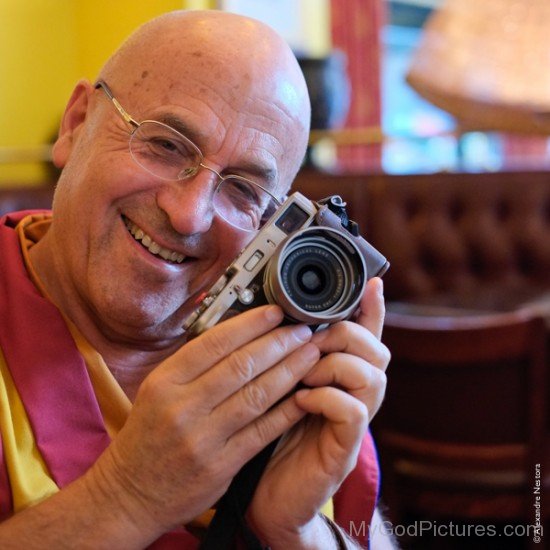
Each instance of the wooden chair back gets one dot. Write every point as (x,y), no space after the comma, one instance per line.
(464,421)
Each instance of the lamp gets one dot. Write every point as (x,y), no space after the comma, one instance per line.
(487,62)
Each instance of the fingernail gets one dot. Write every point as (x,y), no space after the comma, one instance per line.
(303,392)
(310,352)
(318,337)
(274,313)
(302,333)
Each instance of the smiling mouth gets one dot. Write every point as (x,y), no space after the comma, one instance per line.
(148,243)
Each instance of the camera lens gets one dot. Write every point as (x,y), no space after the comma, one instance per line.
(313,276)
(317,276)
(311,280)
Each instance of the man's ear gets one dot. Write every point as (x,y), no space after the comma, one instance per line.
(72,122)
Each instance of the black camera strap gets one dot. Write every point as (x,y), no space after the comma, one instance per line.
(229,521)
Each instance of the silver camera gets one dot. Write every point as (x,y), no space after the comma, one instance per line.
(308,258)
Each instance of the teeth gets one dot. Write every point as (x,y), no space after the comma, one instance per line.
(151,245)
(154,248)
(164,254)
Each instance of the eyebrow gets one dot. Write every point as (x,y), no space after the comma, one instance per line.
(178,124)
(266,175)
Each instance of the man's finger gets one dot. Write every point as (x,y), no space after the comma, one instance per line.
(371,315)
(204,351)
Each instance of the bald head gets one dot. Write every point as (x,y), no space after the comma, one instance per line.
(228,84)
(217,56)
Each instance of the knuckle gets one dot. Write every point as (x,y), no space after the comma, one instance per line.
(341,329)
(242,365)
(286,373)
(281,340)
(347,325)
(198,456)
(377,392)
(152,388)
(263,429)
(214,343)
(358,413)
(378,379)
(173,422)
(193,450)
(353,328)
(255,398)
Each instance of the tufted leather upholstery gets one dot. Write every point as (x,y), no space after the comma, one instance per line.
(459,245)
(463,234)
(468,240)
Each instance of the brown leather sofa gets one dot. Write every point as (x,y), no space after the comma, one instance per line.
(473,241)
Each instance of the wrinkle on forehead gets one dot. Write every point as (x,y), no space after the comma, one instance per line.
(221,61)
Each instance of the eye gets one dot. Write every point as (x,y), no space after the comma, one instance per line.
(243,203)
(165,147)
(154,142)
(241,192)
(163,143)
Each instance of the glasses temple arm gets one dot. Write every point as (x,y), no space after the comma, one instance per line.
(101,84)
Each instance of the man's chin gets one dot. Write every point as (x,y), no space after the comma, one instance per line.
(148,326)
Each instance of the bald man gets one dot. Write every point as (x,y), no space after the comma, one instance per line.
(116,432)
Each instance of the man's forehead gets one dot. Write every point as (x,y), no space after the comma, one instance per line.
(183,72)
(246,151)
(216,53)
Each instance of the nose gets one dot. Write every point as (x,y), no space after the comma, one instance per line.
(188,203)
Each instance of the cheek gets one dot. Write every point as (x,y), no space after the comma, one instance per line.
(231,242)
(234,242)
(96,187)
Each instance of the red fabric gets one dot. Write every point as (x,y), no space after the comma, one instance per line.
(6,503)
(51,379)
(356,499)
(47,369)
(356,27)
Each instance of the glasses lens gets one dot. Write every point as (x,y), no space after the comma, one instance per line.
(243,203)
(163,151)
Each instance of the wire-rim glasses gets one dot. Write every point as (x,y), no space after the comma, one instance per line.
(167,154)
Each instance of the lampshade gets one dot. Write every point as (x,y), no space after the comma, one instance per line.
(487,62)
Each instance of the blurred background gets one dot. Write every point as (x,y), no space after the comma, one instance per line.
(432,119)
(368,115)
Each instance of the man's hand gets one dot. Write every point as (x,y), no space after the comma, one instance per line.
(205,412)
(346,388)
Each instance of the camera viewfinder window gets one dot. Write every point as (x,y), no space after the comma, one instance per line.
(292,219)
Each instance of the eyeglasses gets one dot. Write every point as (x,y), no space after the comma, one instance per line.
(169,155)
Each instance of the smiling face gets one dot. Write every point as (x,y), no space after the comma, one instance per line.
(127,251)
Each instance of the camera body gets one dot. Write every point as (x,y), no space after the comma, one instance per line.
(303,259)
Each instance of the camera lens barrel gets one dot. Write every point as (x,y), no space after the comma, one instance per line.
(317,276)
